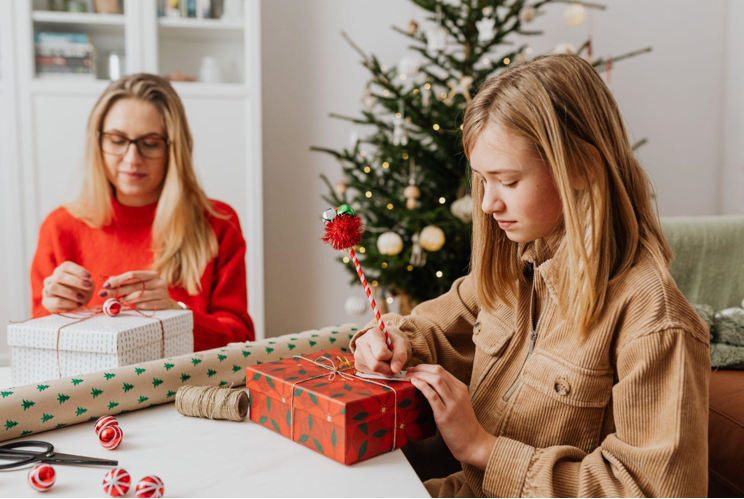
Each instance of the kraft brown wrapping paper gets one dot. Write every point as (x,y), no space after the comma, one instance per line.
(40,407)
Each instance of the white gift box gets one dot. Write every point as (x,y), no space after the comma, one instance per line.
(97,343)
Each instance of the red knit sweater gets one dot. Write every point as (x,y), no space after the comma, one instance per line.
(220,310)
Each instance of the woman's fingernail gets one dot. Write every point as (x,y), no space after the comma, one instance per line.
(80,304)
(86,274)
(80,296)
(107,285)
(102,293)
(87,284)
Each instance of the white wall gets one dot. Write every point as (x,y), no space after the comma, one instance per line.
(674,96)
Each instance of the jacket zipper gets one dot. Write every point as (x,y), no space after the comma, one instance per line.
(512,389)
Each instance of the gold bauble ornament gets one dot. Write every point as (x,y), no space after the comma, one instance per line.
(340,187)
(389,243)
(432,238)
(411,193)
(574,14)
(412,27)
(565,48)
(527,14)
(463,208)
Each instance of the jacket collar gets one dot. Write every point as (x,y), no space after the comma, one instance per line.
(547,269)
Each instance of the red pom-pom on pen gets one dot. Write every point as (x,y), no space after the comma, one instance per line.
(343,230)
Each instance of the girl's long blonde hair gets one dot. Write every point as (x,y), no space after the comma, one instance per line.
(182,237)
(561,105)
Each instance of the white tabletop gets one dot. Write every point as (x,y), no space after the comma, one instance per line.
(204,458)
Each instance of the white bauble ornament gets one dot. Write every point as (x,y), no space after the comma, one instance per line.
(400,137)
(355,305)
(353,138)
(432,238)
(485,29)
(390,243)
(410,65)
(527,14)
(436,39)
(340,187)
(574,14)
(565,48)
(368,100)
(463,208)
(425,95)
(520,57)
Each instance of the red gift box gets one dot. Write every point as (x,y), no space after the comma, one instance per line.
(317,400)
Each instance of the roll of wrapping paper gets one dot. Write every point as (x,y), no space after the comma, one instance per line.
(39,407)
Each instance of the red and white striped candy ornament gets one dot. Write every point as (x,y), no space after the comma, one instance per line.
(41,477)
(111,307)
(343,230)
(105,422)
(150,486)
(117,482)
(110,437)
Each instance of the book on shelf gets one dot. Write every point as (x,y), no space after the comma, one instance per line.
(196,9)
(64,55)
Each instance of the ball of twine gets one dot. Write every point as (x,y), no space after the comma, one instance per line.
(212,402)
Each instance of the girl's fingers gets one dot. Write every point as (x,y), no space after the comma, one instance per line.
(438,384)
(129,290)
(144,275)
(378,346)
(368,361)
(56,304)
(139,296)
(400,353)
(437,406)
(74,269)
(56,290)
(73,281)
(437,370)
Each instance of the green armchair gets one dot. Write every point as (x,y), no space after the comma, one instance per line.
(709,269)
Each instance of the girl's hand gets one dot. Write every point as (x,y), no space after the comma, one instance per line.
(372,354)
(153,296)
(69,287)
(453,412)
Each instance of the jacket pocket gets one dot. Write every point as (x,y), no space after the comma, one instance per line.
(559,404)
(491,337)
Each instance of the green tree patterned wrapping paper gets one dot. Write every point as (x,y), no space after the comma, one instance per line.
(62,402)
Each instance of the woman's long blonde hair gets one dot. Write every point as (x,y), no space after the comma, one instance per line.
(560,104)
(182,237)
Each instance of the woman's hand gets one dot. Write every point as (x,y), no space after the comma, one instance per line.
(372,354)
(453,412)
(150,294)
(69,287)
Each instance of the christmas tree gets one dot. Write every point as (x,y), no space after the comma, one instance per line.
(408,179)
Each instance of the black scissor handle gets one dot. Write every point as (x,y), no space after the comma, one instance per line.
(21,457)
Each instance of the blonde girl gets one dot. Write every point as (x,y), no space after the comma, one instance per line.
(567,363)
(142,214)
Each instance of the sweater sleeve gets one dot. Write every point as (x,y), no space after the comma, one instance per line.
(660,445)
(43,265)
(226,319)
(439,331)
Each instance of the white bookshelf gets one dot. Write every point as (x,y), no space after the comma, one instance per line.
(46,125)
(77,20)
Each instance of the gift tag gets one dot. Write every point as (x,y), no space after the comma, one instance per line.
(401,376)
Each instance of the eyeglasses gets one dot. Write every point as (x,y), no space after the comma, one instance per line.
(151,146)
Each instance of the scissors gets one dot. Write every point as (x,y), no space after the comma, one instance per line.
(12,452)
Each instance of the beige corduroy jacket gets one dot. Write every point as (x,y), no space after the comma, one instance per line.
(622,413)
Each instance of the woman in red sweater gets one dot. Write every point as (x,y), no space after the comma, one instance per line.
(142,214)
